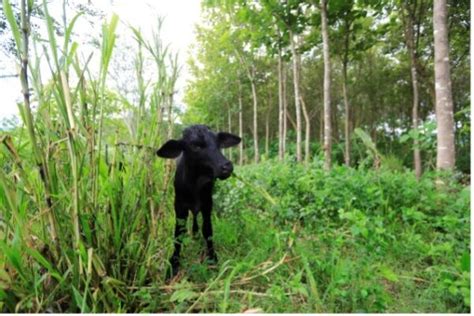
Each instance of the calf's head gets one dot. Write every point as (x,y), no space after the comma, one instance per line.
(201,150)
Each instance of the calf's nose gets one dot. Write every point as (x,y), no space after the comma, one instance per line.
(227,168)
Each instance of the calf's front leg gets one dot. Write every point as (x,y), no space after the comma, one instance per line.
(207,228)
(181,216)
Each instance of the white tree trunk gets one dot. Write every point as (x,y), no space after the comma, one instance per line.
(444,101)
(347,106)
(250,69)
(307,154)
(414,81)
(297,97)
(305,115)
(327,87)
(241,145)
(281,116)
(255,121)
(416,145)
(321,126)
(347,111)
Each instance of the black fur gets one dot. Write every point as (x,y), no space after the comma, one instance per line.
(199,163)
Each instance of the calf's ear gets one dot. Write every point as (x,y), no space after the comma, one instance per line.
(171,149)
(227,140)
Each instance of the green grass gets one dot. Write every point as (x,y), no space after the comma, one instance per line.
(367,260)
(344,241)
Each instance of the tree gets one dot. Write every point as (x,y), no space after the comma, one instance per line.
(296,76)
(382,81)
(327,86)
(444,100)
(409,12)
(251,75)
(347,109)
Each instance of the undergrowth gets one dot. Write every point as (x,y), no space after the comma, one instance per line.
(341,241)
(344,241)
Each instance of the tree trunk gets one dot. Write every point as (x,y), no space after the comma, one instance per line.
(307,154)
(241,145)
(335,126)
(297,97)
(306,116)
(327,87)
(267,133)
(347,109)
(281,116)
(250,69)
(285,110)
(255,122)
(445,158)
(410,41)
(229,122)
(292,121)
(321,126)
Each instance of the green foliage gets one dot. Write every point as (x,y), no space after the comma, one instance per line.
(366,35)
(7,9)
(80,217)
(386,234)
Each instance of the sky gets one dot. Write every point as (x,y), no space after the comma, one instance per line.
(177,30)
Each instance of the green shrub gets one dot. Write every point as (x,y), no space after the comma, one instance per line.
(394,235)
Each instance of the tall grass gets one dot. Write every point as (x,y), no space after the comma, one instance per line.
(84,222)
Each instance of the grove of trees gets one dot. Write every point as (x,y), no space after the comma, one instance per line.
(308,73)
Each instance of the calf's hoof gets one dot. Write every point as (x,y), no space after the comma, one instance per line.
(172,270)
(212,258)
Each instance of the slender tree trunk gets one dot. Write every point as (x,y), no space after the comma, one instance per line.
(305,115)
(327,87)
(229,122)
(335,126)
(250,69)
(347,109)
(297,97)
(321,126)
(445,158)
(416,145)
(241,145)
(285,110)
(281,116)
(255,122)
(267,134)
(347,131)
(410,40)
(292,121)
(307,154)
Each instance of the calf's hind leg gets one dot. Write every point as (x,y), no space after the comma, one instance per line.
(207,233)
(195,223)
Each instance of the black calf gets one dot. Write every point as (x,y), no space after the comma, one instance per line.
(200,162)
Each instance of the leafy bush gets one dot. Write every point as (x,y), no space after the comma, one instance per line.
(393,233)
